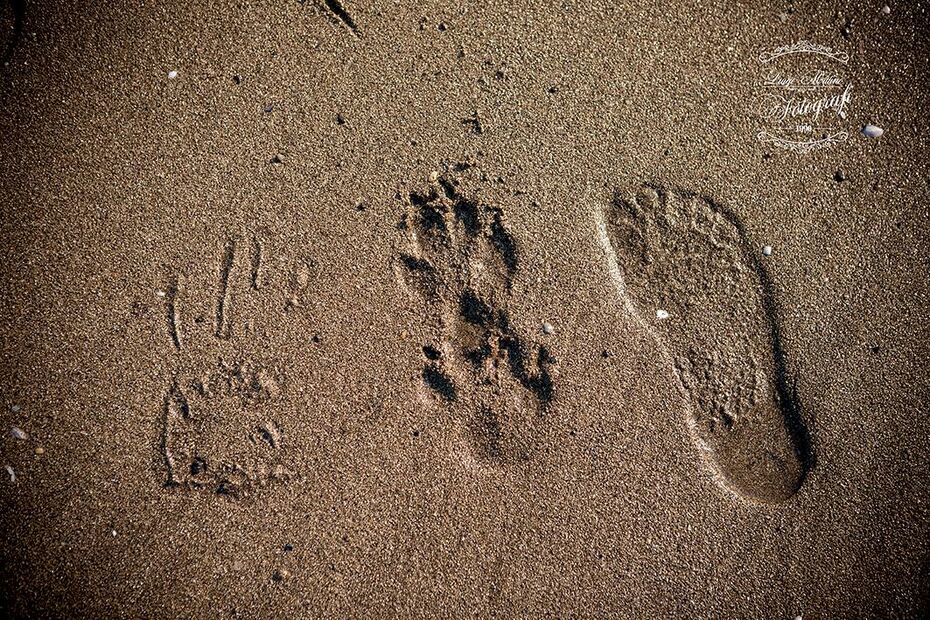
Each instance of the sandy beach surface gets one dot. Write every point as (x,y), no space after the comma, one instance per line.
(346,308)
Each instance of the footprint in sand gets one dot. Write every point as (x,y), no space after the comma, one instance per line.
(683,267)
(219,416)
(461,264)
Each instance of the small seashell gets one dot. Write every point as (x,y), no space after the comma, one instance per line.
(10,471)
(767,250)
(548,329)
(172,74)
(872,131)
(18,433)
(661,314)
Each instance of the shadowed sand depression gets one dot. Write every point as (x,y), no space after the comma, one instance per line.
(461,263)
(681,264)
(683,267)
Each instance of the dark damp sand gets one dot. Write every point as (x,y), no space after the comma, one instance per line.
(274,327)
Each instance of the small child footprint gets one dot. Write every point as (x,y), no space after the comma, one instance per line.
(461,263)
(684,269)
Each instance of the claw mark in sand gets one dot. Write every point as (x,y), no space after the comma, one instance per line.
(174,314)
(231,262)
(222,304)
(175,410)
(683,267)
(256,263)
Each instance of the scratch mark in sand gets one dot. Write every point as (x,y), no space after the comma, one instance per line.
(256,263)
(222,305)
(175,407)
(174,314)
(339,11)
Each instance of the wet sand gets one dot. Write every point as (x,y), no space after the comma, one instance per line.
(337,309)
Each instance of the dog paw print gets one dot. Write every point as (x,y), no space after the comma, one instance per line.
(460,263)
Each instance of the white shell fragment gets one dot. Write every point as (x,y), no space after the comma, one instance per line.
(872,131)
(18,433)
(548,328)
(172,74)
(10,471)
(661,314)
(767,250)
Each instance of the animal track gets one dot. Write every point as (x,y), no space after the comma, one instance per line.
(218,431)
(676,252)
(461,263)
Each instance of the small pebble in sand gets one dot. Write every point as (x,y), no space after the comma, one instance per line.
(886,10)
(15,408)
(40,451)
(10,471)
(548,329)
(237,79)
(839,176)
(278,159)
(661,314)
(872,131)
(160,294)
(767,250)
(18,433)
(280,575)
(172,74)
